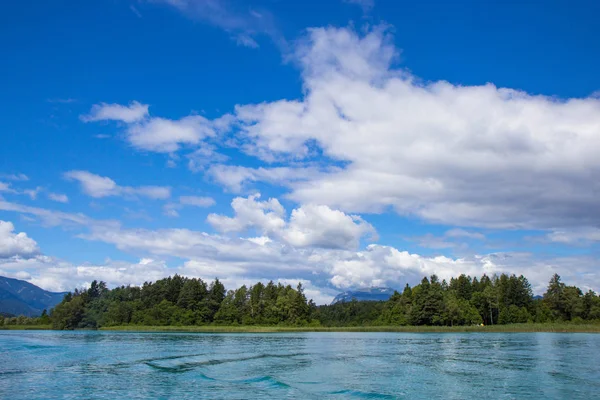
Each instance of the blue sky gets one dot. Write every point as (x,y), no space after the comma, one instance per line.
(342,143)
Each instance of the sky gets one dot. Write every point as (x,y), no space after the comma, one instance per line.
(342,143)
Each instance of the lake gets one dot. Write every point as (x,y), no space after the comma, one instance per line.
(109,365)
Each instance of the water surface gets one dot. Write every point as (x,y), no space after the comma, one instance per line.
(109,365)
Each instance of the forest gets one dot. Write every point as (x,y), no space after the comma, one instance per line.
(181,301)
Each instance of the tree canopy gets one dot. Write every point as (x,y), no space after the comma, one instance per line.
(179,301)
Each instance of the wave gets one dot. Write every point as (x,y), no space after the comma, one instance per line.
(361,395)
(187,366)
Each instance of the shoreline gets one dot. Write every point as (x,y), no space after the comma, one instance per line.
(512,328)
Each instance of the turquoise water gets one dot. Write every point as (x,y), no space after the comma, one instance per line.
(107,365)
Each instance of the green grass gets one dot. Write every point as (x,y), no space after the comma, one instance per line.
(550,327)
(553,327)
(25,327)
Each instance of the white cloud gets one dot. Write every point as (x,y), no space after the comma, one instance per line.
(100,186)
(153,133)
(461,233)
(376,265)
(366,5)
(134,112)
(267,216)
(197,201)
(453,238)
(575,236)
(33,193)
(48,217)
(243,24)
(203,157)
(312,225)
(15,244)
(234,177)
(458,155)
(309,225)
(5,187)
(257,258)
(14,177)
(57,275)
(171,209)
(166,136)
(59,197)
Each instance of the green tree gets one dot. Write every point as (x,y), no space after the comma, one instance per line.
(192,294)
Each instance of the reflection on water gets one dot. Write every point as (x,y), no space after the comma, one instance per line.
(41,365)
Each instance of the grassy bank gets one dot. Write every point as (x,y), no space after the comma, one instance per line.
(26,327)
(557,327)
(552,327)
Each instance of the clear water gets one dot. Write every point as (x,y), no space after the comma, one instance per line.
(105,365)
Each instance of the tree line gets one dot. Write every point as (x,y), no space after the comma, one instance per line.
(504,299)
(179,301)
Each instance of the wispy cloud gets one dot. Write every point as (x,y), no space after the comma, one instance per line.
(14,177)
(153,133)
(135,11)
(59,197)
(33,193)
(101,186)
(453,238)
(366,5)
(62,100)
(243,23)
(115,112)
(172,209)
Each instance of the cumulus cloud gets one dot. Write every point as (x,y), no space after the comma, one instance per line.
(165,136)
(478,156)
(469,156)
(318,225)
(267,216)
(256,258)
(308,226)
(15,244)
(101,186)
(376,265)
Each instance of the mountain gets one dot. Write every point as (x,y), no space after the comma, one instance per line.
(365,294)
(23,298)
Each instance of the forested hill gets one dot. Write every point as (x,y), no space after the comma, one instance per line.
(365,294)
(182,301)
(19,297)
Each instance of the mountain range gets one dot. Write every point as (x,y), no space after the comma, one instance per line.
(365,294)
(19,297)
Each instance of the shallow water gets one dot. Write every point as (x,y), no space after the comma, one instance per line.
(109,365)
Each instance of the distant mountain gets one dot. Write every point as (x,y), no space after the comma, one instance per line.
(23,298)
(365,294)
